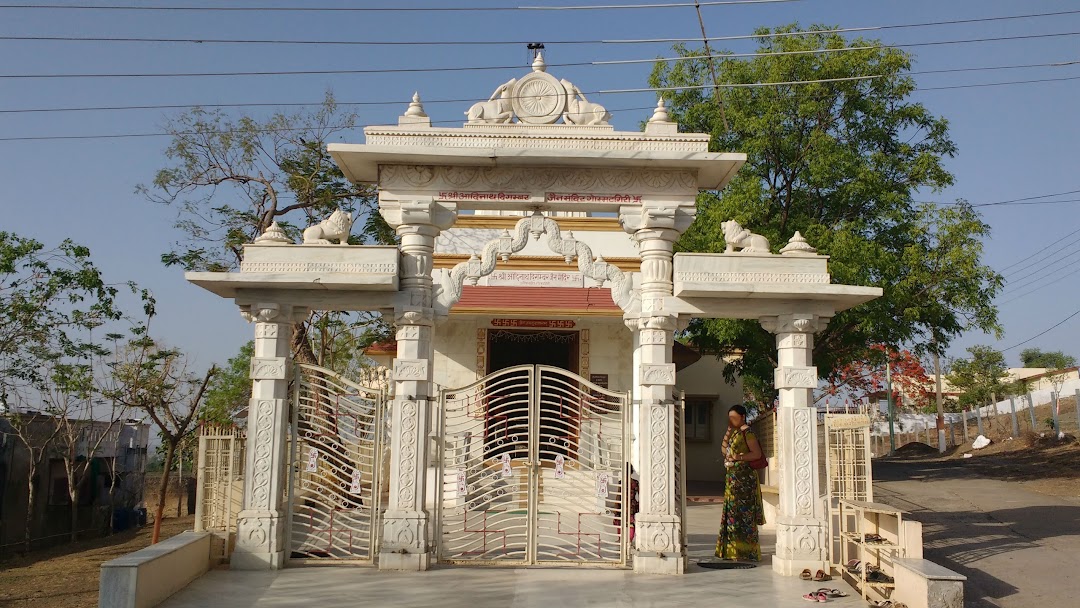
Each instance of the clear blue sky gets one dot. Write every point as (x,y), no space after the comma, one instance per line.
(1015,141)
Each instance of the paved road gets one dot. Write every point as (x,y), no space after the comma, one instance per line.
(1018,548)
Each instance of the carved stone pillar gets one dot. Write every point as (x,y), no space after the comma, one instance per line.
(658,539)
(802,523)
(261,539)
(405,522)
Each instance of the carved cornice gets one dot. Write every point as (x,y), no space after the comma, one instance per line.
(455,179)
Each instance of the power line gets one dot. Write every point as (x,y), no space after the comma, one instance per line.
(998,84)
(573,64)
(270,130)
(1041,273)
(740,85)
(378,9)
(1071,233)
(1043,333)
(438,101)
(1017,201)
(707,39)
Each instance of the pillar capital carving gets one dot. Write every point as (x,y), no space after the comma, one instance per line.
(656,322)
(413,315)
(272,312)
(794,323)
(402,213)
(666,221)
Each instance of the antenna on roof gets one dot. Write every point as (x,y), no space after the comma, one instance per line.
(535,48)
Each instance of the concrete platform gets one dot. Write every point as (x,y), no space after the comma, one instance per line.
(451,587)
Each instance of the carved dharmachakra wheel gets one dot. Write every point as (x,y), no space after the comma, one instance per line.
(539,99)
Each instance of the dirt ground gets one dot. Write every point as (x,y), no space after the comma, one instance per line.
(1041,464)
(67,576)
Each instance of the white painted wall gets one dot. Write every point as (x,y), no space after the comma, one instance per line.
(704,461)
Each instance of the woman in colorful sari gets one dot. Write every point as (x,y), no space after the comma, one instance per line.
(743,513)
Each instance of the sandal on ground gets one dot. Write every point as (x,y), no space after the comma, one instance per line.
(805,575)
(831,592)
(822,576)
(815,597)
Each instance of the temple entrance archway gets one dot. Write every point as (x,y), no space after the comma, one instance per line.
(532,464)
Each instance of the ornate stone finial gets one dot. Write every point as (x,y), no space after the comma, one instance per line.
(538,64)
(660,123)
(274,235)
(415,107)
(660,113)
(414,115)
(798,246)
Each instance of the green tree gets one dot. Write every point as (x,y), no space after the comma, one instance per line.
(1056,362)
(230,389)
(1035,357)
(842,162)
(156,380)
(230,177)
(50,299)
(978,377)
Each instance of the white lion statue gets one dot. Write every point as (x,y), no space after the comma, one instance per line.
(737,236)
(336,227)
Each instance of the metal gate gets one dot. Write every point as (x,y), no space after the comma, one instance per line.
(533,470)
(336,468)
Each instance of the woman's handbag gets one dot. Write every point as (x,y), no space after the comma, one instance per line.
(758,464)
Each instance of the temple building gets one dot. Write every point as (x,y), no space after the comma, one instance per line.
(538,401)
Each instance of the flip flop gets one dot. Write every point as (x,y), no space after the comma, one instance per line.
(822,576)
(815,597)
(831,592)
(805,575)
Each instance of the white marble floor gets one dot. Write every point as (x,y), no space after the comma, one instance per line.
(447,587)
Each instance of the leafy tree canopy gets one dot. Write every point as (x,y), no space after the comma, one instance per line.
(979,376)
(842,162)
(230,178)
(1034,357)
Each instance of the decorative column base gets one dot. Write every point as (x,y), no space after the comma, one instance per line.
(260,541)
(404,541)
(659,548)
(801,544)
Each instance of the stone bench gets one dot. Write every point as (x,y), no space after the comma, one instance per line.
(921,583)
(149,576)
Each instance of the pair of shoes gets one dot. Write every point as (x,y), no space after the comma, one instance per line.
(805,575)
(875,575)
(831,592)
(873,538)
(815,596)
(854,566)
(887,604)
(822,576)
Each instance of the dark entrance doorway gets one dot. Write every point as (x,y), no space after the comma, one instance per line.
(507,348)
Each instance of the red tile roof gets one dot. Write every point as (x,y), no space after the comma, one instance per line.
(591,300)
